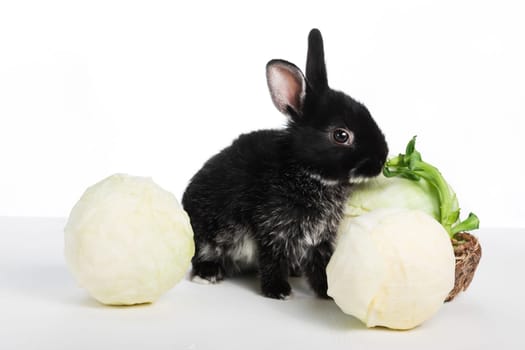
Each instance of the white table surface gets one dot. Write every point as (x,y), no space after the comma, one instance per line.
(41,307)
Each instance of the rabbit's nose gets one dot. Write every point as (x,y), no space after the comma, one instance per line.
(376,165)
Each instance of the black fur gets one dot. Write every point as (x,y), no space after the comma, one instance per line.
(274,198)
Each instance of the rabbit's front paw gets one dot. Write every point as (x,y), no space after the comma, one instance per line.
(207,272)
(276,289)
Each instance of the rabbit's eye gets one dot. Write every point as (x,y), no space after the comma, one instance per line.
(342,136)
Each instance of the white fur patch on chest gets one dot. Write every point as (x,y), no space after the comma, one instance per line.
(244,251)
(313,231)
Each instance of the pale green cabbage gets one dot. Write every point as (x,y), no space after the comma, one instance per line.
(409,182)
(127,240)
(391,268)
(393,192)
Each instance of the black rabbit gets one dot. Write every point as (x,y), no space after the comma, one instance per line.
(274,198)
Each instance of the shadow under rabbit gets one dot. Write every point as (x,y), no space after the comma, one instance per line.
(302,305)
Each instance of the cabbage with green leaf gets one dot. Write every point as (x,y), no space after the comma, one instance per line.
(411,183)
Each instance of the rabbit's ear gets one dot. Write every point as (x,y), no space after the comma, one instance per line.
(315,65)
(287,87)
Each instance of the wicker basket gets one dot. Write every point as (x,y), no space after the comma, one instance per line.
(468,253)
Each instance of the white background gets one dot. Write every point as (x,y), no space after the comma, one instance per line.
(155,88)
